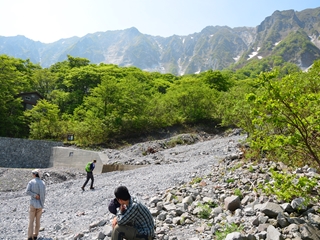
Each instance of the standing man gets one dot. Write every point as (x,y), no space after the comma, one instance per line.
(37,190)
(133,220)
(89,169)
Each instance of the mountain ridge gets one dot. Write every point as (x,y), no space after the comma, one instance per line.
(214,47)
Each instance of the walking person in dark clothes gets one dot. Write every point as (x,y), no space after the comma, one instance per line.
(89,169)
(133,220)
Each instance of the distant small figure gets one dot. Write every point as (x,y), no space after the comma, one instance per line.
(133,219)
(37,190)
(89,169)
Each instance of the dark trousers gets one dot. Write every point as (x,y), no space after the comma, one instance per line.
(89,176)
(127,232)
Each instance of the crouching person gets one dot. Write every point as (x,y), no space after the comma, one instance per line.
(133,220)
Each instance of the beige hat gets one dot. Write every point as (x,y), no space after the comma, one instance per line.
(35,171)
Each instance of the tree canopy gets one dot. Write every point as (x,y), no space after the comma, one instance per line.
(273,101)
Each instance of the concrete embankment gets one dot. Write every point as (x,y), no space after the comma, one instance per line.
(24,153)
(77,158)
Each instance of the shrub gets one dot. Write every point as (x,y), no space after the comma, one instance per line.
(229,228)
(238,193)
(289,186)
(205,211)
(175,141)
(230,180)
(196,180)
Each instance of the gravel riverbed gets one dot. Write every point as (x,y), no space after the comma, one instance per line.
(69,210)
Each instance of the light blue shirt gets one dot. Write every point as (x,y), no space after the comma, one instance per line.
(36,187)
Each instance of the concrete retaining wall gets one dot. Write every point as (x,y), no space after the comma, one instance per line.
(77,158)
(23,153)
(119,167)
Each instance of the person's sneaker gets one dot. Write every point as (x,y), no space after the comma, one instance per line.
(82,188)
(92,188)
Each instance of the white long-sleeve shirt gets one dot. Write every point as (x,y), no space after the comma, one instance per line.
(36,187)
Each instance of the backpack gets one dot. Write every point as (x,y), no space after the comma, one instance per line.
(87,168)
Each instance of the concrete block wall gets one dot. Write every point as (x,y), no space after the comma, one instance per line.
(24,153)
(77,158)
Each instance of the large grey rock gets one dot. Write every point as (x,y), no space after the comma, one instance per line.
(169,207)
(188,200)
(154,200)
(287,207)
(309,232)
(282,220)
(107,230)
(273,234)
(101,236)
(232,203)
(271,209)
(216,211)
(249,211)
(299,204)
(314,219)
(234,236)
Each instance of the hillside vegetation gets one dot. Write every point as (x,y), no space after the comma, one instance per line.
(272,100)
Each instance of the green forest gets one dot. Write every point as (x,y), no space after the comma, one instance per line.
(273,101)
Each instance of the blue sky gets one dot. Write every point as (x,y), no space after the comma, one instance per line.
(50,20)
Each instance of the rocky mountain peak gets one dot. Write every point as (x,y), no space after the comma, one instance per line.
(215,47)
